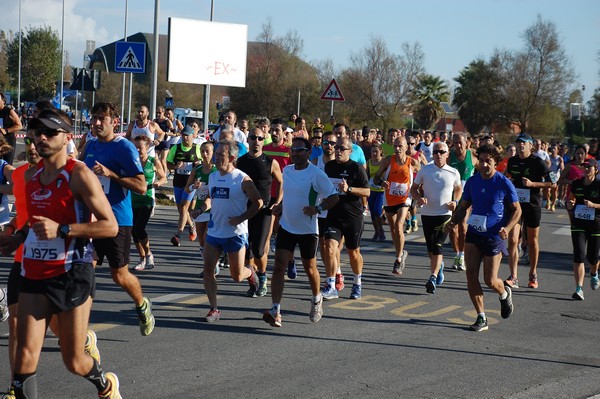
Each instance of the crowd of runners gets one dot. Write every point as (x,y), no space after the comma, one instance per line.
(268,187)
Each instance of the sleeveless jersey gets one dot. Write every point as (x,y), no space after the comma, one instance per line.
(259,170)
(228,199)
(372,169)
(465,167)
(202,193)
(187,155)
(280,154)
(138,200)
(400,178)
(143,131)
(43,259)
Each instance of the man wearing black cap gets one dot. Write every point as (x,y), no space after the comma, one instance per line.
(57,271)
(529,174)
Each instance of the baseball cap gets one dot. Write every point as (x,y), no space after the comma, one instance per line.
(187,131)
(590,162)
(50,119)
(524,137)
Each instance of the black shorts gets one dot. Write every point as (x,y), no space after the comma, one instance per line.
(162,146)
(322,223)
(259,227)
(395,208)
(141,216)
(531,215)
(434,231)
(288,241)
(489,246)
(350,229)
(66,291)
(13,286)
(116,249)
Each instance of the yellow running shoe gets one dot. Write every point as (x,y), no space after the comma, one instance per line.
(113,393)
(91,346)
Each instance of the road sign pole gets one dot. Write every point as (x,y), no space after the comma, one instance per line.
(331,113)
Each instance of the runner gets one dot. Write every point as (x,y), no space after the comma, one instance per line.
(142,126)
(377,193)
(556,167)
(441,187)
(583,206)
(57,270)
(529,174)
(495,211)
(412,224)
(116,163)
(299,226)
(230,190)
(143,205)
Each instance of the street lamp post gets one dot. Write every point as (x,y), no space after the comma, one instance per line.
(154,84)
(205,116)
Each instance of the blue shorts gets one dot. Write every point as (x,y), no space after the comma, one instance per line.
(488,246)
(181,195)
(229,244)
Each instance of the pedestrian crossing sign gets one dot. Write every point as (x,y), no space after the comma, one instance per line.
(332,92)
(130,57)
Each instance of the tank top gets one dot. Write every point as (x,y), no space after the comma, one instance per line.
(43,259)
(143,200)
(143,131)
(228,199)
(188,156)
(400,179)
(372,169)
(259,170)
(202,193)
(464,167)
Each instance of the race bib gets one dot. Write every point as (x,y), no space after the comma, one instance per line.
(202,192)
(105,183)
(44,249)
(524,195)
(584,212)
(186,169)
(399,189)
(478,222)
(335,181)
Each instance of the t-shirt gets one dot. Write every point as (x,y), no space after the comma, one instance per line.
(532,168)
(227,200)
(427,150)
(357,155)
(584,217)
(189,156)
(489,199)
(300,189)
(120,156)
(438,187)
(350,206)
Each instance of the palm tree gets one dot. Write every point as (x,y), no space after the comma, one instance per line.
(430,93)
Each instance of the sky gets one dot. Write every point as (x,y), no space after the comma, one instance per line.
(451,33)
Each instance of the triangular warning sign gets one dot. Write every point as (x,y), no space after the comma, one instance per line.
(332,92)
(130,61)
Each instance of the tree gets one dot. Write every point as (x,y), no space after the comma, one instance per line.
(40,62)
(476,95)
(430,93)
(4,80)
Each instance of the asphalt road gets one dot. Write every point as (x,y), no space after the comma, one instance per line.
(398,341)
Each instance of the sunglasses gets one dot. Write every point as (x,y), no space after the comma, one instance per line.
(255,137)
(409,143)
(341,148)
(439,152)
(327,142)
(317,137)
(28,141)
(47,132)
(298,149)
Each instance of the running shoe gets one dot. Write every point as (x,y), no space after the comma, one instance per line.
(113,393)
(578,294)
(407,228)
(141,265)
(511,282)
(506,305)
(3,305)
(212,316)
(316,311)
(253,281)
(440,277)
(329,292)
(375,237)
(402,264)
(192,234)
(262,286)
(356,291)
(274,319)
(91,345)
(430,285)
(459,263)
(292,272)
(533,281)
(396,268)
(146,317)
(414,225)
(223,261)
(339,281)
(480,324)
(10,393)
(381,236)
(595,281)
(149,261)
(175,240)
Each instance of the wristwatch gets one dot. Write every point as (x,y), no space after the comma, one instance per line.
(349,189)
(319,209)
(64,230)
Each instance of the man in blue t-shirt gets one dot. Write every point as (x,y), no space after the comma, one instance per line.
(495,210)
(116,162)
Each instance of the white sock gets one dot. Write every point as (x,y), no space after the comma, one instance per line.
(461,254)
(481,315)
(358,279)
(276,308)
(331,281)
(505,295)
(317,298)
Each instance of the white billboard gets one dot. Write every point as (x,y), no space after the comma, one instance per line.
(205,52)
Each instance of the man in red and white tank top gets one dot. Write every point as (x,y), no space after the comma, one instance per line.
(66,209)
(143,126)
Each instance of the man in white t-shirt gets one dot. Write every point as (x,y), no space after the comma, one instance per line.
(441,188)
(303,182)
(229,190)
(238,135)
